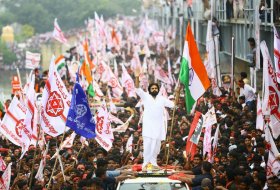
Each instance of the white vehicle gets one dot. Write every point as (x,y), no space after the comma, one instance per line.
(152,182)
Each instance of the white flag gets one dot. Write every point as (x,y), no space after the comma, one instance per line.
(104,134)
(58,34)
(161,75)
(273,166)
(68,142)
(55,103)
(277,53)
(269,139)
(260,121)
(5,180)
(40,173)
(128,83)
(129,144)
(13,122)
(114,83)
(210,117)
(32,60)
(123,127)
(215,144)
(271,92)
(2,164)
(31,119)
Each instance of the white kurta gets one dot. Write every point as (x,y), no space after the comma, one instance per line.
(153,116)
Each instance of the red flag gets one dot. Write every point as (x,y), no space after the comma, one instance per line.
(191,147)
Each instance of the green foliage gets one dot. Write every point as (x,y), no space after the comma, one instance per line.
(8,56)
(27,31)
(40,14)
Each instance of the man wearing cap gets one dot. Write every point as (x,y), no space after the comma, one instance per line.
(153,130)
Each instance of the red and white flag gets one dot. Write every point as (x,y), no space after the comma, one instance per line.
(2,164)
(13,122)
(104,134)
(97,89)
(55,103)
(260,121)
(271,91)
(113,108)
(277,53)
(58,34)
(169,71)
(123,127)
(32,60)
(31,120)
(128,83)
(114,83)
(270,141)
(114,119)
(40,172)
(190,146)
(215,144)
(207,141)
(129,144)
(68,142)
(161,75)
(5,180)
(210,117)
(273,166)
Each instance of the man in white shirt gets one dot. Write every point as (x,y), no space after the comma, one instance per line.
(153,130)
(249,93)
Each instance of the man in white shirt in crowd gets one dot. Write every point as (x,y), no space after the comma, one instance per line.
(249,93)
(153,130)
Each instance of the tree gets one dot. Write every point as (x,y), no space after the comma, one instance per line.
(27,31)
(40,14)
(8,56)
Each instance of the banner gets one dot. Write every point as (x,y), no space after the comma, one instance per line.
(32,60)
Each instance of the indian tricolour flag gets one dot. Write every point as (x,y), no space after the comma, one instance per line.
(192,73)
(60,65)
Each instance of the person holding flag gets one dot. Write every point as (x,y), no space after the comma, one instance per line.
(153,130)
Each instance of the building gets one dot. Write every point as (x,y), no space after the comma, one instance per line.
(242,20)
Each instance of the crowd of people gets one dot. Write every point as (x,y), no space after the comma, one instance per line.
(239,162)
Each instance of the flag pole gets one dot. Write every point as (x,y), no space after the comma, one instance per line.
(55,163)
(177,93)
(32,170)
(232,61)
(18,171)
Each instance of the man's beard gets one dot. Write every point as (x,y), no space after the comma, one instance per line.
(154,93)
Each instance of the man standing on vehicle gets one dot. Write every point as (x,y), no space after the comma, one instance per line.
(153,130)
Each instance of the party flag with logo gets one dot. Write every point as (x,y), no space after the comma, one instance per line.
(79,116)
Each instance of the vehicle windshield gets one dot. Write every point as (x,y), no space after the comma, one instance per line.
(153,186)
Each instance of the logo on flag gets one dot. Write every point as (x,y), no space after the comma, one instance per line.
(55,105)
(79,116)
(19,127)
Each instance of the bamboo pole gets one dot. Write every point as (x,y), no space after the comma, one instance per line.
(32,170)
(172,124)
(55,163)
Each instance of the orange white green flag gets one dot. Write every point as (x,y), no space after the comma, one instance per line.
(192,73)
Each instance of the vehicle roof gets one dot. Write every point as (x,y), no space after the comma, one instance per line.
(151,180)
